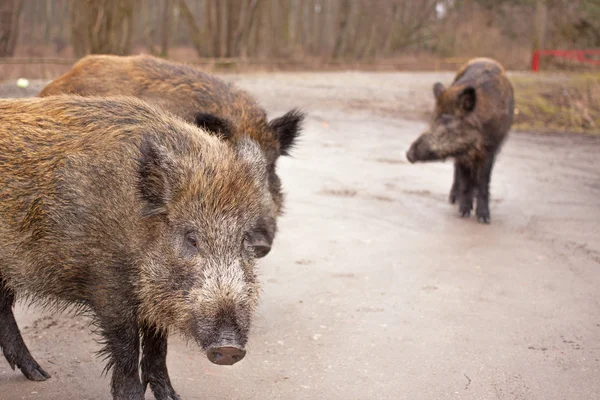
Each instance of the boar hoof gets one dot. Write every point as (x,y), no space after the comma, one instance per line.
(172,396)
(28,366)
(160,385)
(465,210)
(483,213)
(34,372)
(483,219)
(166,394)
(452,198)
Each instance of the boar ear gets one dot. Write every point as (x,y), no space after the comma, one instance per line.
(438,89)
(467,99)
(213,124)
(287,128)
(155,166)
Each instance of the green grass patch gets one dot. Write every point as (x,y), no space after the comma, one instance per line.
(553,102)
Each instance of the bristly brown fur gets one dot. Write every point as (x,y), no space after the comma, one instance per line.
(99,200)
(187,92)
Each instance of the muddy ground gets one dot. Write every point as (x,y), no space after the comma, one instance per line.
(375,288)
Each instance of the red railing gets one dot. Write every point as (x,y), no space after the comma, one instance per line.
(577,55)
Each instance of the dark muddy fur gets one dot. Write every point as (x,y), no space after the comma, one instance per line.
(140,219)
(470,122)
(198,98)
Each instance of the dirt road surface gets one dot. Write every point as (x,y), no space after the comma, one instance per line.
(375,288)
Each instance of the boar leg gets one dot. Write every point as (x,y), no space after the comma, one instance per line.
(11,341)
(121,336)
(154,364)
(483,189)
(466,188)
(455,185)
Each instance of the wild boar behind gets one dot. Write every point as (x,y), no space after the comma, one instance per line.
(470,122)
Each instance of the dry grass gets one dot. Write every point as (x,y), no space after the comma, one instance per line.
(557,102)
(45,68)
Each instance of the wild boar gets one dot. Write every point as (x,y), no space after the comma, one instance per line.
(112,206)
(470,122)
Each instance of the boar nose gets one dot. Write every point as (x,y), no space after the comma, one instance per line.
(261,247)
(260,243)
(410,155)
(226,355)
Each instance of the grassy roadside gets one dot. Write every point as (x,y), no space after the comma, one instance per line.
(557,102)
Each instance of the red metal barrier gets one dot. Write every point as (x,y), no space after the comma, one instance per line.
(578,55)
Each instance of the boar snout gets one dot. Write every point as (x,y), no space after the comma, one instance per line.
(410,155)
(261,246)
(262,238)
(225,355)
(227,350)
(225,345)
(420,150)
(261,241)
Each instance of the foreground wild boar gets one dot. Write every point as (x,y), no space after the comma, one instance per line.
(471,120)
(110,206)
(198,98)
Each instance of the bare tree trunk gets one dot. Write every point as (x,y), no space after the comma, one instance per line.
(254,36)
(79,36)
(293,18)
(408,23)
(149,29)
(208,27)
(102,26)
(215,26)
(10,12)
(397,13)
(541,16)
(165,33)
(223,20)
(242,33)
(340,42)
(191,23)
(63,35)
(368,49)
(318,27)
(48,21)
(273,31)
(127,27)
(307,19)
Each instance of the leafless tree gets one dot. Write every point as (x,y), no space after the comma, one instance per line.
(10,12)
(102,26)
(344,30)
(165,33)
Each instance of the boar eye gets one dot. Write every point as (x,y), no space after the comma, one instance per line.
(192,240)
(445,119)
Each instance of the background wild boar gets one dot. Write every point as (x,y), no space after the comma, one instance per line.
(111,206)
(471,120)
(198,98)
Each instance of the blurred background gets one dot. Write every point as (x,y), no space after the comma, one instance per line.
(375,288)
(395,33)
